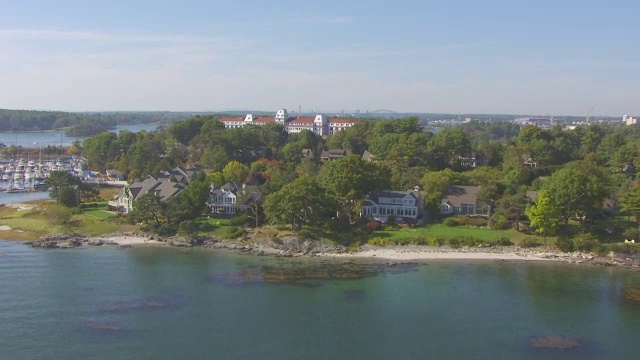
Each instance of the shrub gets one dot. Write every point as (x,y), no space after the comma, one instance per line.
(631,233)
(436,241)
(232,232)
(565,244)
(625,248)
(419,241)
(451,222)
(59,215)
(503,241)
(271,234)
(166,230)
(586,243)
(477,221)
(374,225)
(454,243)
(362,230)
(240,220)
(528,243)
(471,241)
(499,222)
(379,241)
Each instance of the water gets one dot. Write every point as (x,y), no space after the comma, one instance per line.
(22,197)
(57,138)
(106,303)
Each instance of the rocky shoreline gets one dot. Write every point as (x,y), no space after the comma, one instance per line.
(292,246)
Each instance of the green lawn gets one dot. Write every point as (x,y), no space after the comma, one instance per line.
(98,210)
(446,232)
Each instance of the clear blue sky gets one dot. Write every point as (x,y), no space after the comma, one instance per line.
(534,57)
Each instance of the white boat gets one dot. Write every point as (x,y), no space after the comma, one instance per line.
(29,174)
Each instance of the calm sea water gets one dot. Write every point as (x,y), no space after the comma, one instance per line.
(50,138)
(21,197)
(154,303)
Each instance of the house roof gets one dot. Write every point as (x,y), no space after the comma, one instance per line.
(307,153)
(265,119)
(368,156)
(167,189)
(235,119)
(342,121)
(302,120)
(458,195)
(233,188)
(533,195)
(374,198)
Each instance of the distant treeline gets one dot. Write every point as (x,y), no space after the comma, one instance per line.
(30,120)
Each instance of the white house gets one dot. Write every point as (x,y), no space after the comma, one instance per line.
(225,200)
(399,204)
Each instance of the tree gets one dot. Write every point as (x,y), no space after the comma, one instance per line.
(214,158)
(630,203)
(435,183)
(579,189)
(301,202)
(62,185)
(235,171)
(513,207)
(147,208)
(350,179)
(250,197)
(87,192)
(216,179)
(448,145)
(544,214)
(194,197)
(188,228)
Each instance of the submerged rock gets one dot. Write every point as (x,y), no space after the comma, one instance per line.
(632,296)
(555,343)
(355,295)
(140,305)
(101,326)
(307,274)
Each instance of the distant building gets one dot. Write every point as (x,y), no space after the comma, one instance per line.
(367,156)
(628,120)
(473,160)
(535,121)
(307,153)
(321,125)
(333,154)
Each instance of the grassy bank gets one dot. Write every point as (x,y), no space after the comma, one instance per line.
(31,223)
(447,232)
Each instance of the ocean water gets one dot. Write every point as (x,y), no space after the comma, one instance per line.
(57,138)
(158,303)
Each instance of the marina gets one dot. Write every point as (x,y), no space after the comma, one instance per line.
(18,176)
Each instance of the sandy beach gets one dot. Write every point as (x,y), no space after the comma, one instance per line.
(126,240)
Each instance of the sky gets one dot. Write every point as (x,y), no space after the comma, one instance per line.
(541,57)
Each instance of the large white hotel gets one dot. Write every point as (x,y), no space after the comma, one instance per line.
(321,125)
